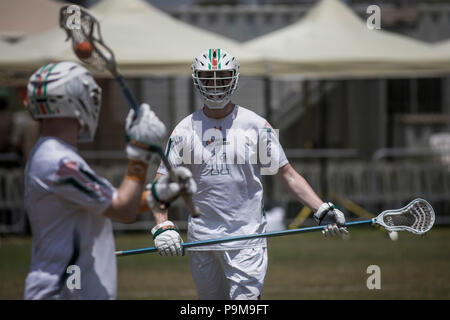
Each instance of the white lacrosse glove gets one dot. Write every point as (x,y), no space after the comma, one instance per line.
(184,177)
(334,218)
(164,191)
(144,132)
(167,239)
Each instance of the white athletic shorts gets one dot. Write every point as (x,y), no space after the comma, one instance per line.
(229,275)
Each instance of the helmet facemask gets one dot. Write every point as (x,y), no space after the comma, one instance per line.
(215,75)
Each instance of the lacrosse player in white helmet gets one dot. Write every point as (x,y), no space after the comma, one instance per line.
(229,182)
(68,205)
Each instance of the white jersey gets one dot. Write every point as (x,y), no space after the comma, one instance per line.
(226,157)
(65,201)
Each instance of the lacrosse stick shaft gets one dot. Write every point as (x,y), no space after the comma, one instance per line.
(133,104)
(186,197)
(236,238)
(127,93)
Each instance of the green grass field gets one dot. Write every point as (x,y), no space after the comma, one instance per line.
(303,266)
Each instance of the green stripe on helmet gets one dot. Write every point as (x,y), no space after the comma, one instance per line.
(46,77)
(219,64)
(41,70)
(49,110)
(210,59)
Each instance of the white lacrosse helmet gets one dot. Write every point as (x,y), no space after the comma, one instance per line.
(66,90)
(215,74)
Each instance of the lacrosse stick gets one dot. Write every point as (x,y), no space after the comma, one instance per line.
(417,217)
(88,45)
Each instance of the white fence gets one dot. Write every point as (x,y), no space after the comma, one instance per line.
(12,213)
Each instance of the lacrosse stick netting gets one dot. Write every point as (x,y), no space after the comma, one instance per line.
(86,28)
(417,217)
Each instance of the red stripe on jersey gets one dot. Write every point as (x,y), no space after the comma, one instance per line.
(70,169)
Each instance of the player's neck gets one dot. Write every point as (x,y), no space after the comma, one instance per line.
(65,129)
(219,113)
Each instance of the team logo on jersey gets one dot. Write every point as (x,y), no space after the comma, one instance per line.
(219,146)
(176,140)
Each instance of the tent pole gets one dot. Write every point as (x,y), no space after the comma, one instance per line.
(323,138)
(268,98)
(191,89)
(171,101)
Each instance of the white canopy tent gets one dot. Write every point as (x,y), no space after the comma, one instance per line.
(41,15)
(331,41)
(443,46)
(8,76)
(6,50)
(145,41)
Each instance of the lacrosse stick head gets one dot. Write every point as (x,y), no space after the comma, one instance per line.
(417,217)
(83,30)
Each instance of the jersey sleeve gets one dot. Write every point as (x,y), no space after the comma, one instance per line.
(271,155)
(76,183)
